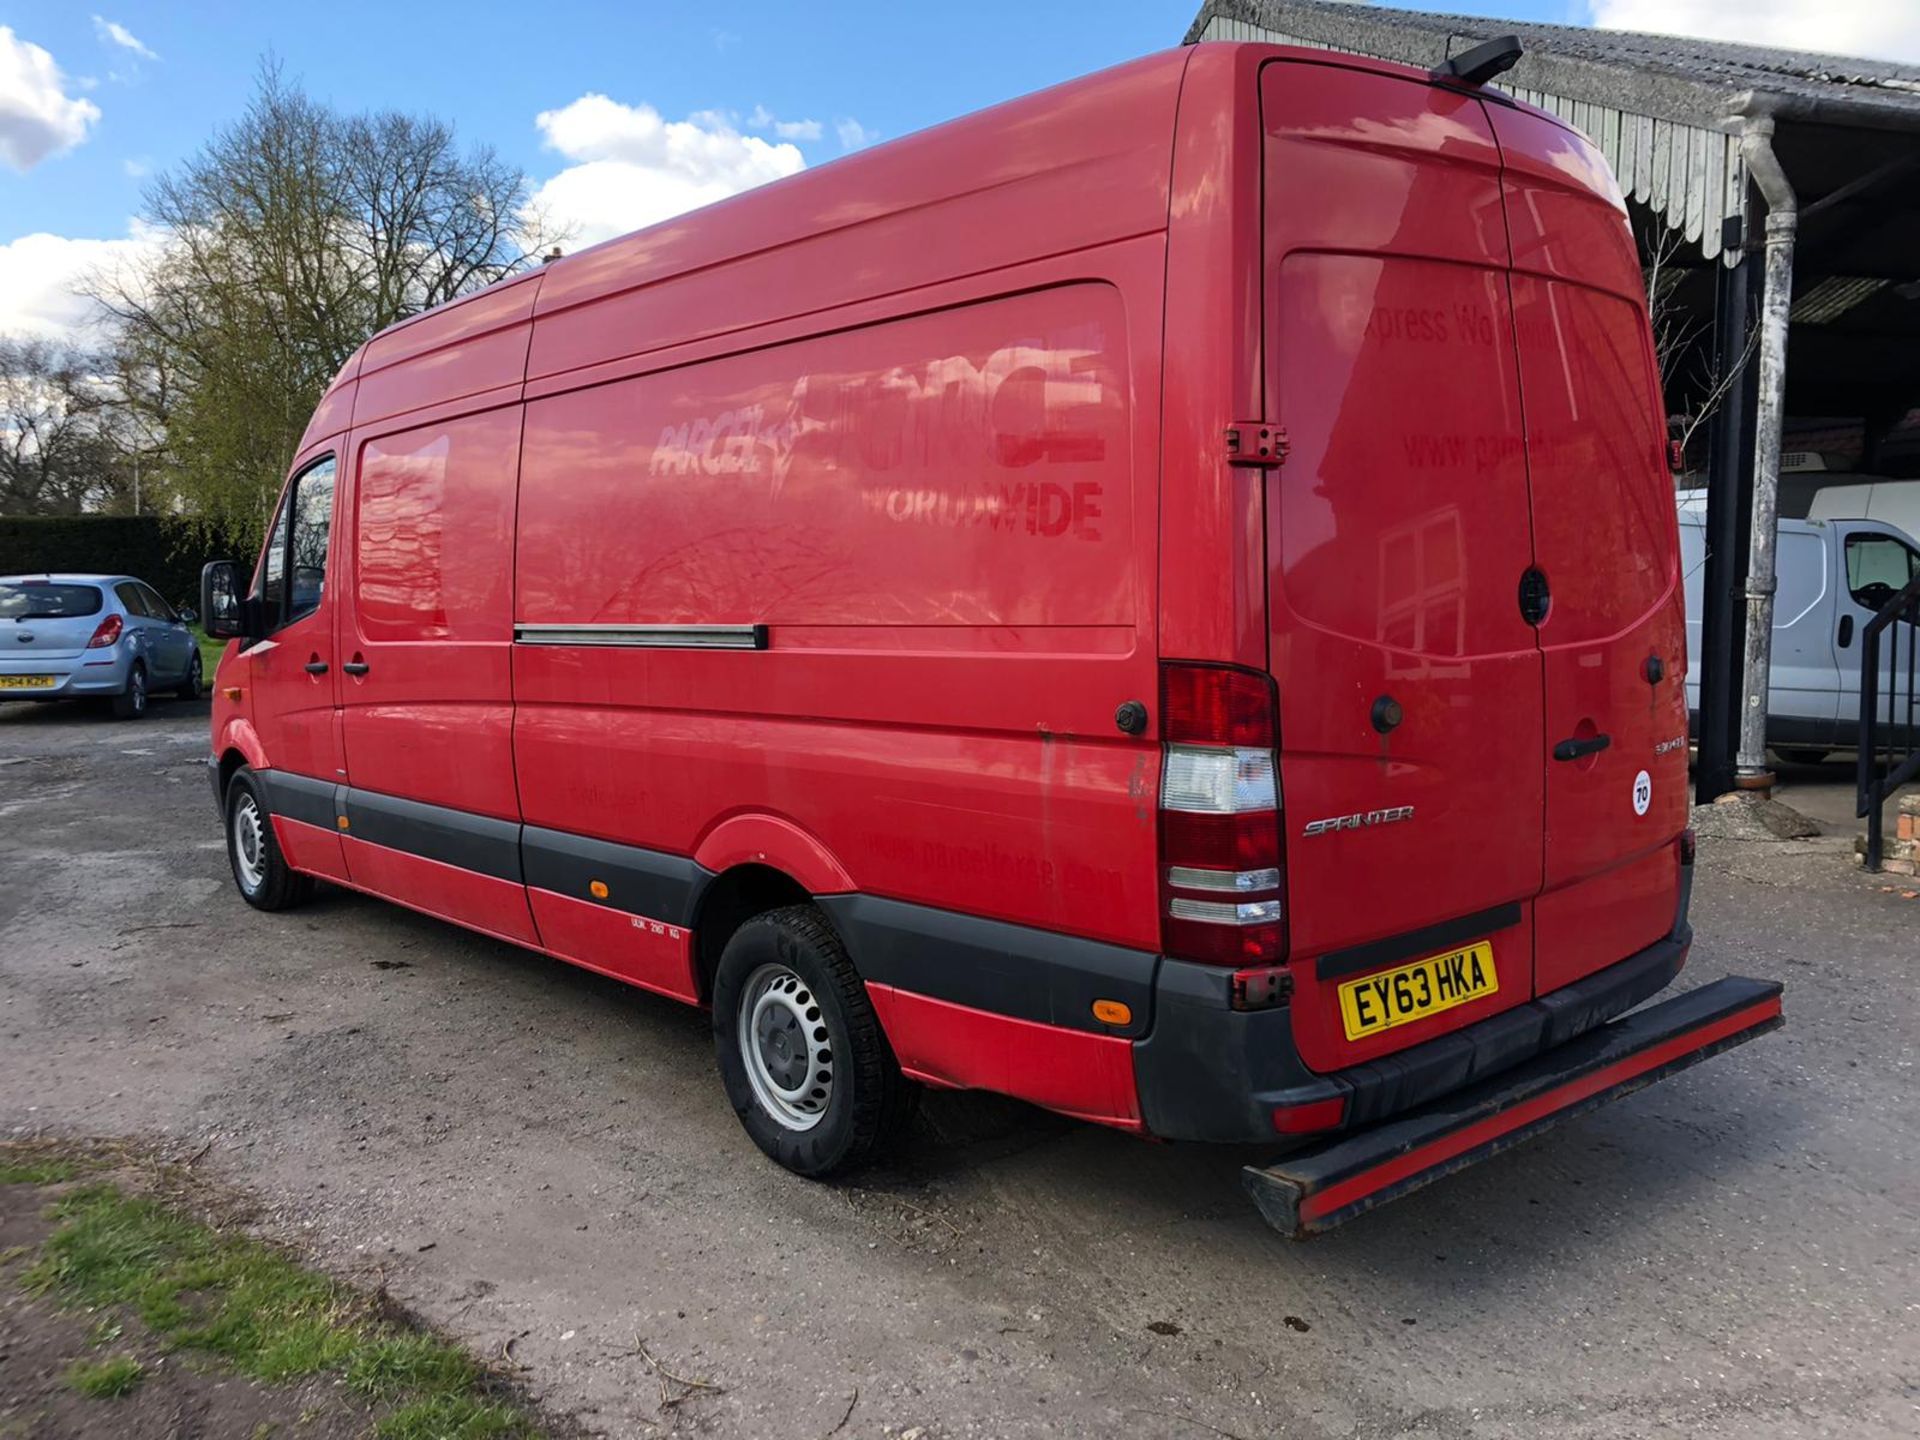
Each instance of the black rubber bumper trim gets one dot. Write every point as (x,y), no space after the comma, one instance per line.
(1413,944)
(640,882)
(990,965)
(480,843)
(1209,1072)
(297,797)
(1298,1195)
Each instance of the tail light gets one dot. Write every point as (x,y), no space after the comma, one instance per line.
(1220,847)
(105,633)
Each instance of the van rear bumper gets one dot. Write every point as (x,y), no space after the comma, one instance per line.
(1316,1189)
(1209,1072)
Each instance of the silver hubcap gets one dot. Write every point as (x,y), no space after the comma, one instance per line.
(789,1056)
(137,689)
(249,843)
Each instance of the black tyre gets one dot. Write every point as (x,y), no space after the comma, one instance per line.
(802,1055)
(1803,755)
(195,683)
(259,869)
(131,703)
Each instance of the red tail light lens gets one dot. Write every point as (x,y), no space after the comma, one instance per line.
(105,633)
(1220,844)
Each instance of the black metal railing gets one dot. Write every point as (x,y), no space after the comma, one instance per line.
(1889,709)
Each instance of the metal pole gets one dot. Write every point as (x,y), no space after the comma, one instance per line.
(1724,571)
(1776,301)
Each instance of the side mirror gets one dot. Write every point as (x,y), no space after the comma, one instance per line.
(186,613)
(221,602)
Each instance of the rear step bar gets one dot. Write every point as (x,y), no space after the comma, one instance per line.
(1315,1189)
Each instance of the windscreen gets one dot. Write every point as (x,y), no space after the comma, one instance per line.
(29,601)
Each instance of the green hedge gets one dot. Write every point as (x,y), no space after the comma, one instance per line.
(164,553)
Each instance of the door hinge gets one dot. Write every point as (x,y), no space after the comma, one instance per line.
(1252,442)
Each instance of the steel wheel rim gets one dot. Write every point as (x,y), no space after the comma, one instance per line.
(786,1047)
(249,844)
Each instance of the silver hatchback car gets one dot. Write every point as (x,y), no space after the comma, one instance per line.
(71,637)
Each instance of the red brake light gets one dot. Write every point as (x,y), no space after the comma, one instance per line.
(105,633)
(1220,843)
(1216,705)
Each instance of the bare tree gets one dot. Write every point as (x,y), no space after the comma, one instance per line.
(58,454)
(291,237)
(1687,372)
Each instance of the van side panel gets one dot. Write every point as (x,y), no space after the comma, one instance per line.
(935,518)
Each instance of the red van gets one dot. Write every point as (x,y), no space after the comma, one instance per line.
(1159,599)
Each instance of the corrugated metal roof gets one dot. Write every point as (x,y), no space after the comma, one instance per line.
(1664,110)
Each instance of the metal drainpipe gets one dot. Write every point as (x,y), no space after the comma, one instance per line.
(1783,216)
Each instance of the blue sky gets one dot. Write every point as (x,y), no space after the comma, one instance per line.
(698,99)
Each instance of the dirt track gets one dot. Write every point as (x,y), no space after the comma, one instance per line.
(530,1154)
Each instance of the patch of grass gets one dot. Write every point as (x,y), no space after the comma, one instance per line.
(30,1171)
(210,651)
(246,1305)
(106,1379)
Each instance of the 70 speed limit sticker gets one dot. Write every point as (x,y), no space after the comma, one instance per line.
(1642,792)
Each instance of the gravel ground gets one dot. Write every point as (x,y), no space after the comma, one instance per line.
(543,1162)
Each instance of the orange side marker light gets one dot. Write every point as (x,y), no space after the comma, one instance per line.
(597,888)
(1112,1012)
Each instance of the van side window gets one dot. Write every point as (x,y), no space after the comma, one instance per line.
(1878,566)
(298,545)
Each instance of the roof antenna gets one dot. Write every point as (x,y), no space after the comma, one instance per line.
(1481,63)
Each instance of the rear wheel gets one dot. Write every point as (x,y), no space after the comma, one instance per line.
(131,703)
(266,881)
(801,1052)
(195,681)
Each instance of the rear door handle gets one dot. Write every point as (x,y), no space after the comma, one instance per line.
(1846,631)
(356,667)
(1576,749)
(316,667)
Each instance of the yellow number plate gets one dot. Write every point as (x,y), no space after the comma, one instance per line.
(26,682)
(1413,992)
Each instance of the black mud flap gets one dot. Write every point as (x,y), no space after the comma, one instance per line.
(1328,1184)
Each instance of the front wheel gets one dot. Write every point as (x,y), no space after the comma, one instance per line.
(265,879)
(801,1052)
(195,682)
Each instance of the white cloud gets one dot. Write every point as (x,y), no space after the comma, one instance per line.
(633,168)
(1872,29)
(37,117)
(136,167)
(853,135)
(41,276)
(764,119)
(112,32)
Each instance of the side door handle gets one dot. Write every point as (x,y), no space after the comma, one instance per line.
(1846,631)
(316,666)
(356,667)
(1576,749)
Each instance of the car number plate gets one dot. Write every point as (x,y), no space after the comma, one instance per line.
(1399,997)
(26,682)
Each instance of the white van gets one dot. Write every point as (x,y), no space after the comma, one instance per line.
(1895,502)
(1833,576)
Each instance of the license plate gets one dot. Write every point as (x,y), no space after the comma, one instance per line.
(1413,992)
(26,682)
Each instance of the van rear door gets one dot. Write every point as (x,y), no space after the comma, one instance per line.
(1613,642)
(1398,535)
